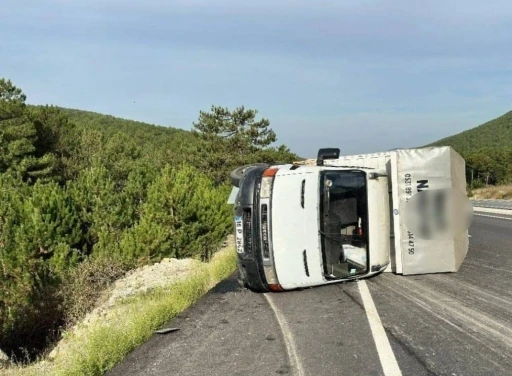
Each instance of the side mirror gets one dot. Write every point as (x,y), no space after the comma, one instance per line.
(327,153)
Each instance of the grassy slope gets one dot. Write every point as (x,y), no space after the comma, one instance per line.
(99,347)
(496,133)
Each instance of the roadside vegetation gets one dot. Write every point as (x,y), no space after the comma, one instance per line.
(96,348)
(87,197)
(499,192)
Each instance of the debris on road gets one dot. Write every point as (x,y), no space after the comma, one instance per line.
(166,330)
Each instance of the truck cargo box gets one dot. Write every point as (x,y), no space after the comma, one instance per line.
(411,171)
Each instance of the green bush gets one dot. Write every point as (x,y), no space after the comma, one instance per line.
(39,230)
(101,207)
(184,215)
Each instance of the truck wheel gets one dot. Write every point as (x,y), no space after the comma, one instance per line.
(237,173)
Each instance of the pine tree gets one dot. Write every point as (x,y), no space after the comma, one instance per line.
(56,140)
(243,133)
(232,138)
(18,136)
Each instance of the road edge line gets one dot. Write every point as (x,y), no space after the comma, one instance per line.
(493,216)
(384,350)
(480,209)
(295,363)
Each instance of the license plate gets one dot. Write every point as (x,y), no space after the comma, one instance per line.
(239,234)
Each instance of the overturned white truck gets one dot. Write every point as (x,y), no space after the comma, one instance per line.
(339,218)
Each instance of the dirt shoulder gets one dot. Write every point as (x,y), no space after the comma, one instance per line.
(499,192)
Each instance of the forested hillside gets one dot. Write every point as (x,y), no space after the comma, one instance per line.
(86,197)
(487,150)
(496,133)
(171,145)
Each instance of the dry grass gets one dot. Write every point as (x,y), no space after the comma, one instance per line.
(85,284)
(500,192)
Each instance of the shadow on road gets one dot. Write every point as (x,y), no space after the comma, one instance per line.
(228,285)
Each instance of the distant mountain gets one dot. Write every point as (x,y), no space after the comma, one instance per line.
(496,133)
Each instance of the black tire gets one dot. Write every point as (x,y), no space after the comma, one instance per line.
(237,173)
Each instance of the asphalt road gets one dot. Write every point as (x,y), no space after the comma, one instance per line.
(444,324)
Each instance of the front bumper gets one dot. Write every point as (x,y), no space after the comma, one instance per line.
(250,261)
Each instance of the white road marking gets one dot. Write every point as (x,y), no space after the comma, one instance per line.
(494,216)
(295,362)
(386,355)
(477,210)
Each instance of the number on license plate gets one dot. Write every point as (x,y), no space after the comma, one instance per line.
(239,234)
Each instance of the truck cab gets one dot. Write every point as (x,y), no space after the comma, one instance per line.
(300,225)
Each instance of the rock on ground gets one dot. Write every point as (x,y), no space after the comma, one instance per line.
(150,277)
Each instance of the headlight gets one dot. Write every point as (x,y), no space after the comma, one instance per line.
(266,187)
(266,182)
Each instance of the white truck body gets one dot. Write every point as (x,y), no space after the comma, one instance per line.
(281,229)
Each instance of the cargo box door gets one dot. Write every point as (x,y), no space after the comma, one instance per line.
(428,169)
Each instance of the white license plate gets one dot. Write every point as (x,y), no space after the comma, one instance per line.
(239,234)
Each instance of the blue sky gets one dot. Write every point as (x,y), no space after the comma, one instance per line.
(360,75)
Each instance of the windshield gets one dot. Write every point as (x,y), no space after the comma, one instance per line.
(344,223)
